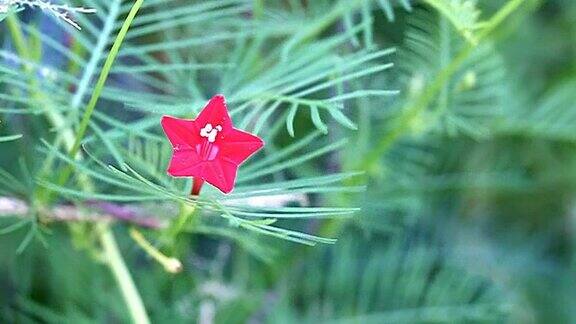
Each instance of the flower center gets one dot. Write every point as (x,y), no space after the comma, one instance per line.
(210,132)
(207,150)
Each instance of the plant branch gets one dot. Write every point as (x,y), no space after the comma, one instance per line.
(415,107)
(105,235)
(58,10)
(17,208)
(95,212)
(122,275)
(83,127)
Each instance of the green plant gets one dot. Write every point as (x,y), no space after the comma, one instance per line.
(389,124)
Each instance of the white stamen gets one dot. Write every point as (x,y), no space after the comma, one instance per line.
(210,132)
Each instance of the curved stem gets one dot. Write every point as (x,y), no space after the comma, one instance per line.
(171,265)
(116,263)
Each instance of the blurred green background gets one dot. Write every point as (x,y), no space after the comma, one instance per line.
(468,212)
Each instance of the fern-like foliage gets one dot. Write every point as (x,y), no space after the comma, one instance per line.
(388,6)
(270,92)
(399,282)
(463,14)
(473,96)
(469,103)
(62,12)
(551,117)
(9,138)
(315,80)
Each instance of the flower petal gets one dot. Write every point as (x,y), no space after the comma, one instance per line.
(182,133)
(209,147)
(238,146)
(185,163)
(215,113)
(221,174)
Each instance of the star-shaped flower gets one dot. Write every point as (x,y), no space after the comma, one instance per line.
(209,148)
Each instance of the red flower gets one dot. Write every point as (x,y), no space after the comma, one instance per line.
(209,148)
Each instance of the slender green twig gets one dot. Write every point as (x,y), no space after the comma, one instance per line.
(258,11)
(110,248)
(414,108)
(85,121)
(16,34)
(116,263)
(10,138)
(319,25)
(171,265)
(111,252)
(96,55)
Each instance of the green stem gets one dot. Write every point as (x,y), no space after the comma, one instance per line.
(56,119)
(116,263)
(110,248)
(16,34)
(171,265)
(319,25)
(500,16)
(258,10)
(85,121)
(413,109)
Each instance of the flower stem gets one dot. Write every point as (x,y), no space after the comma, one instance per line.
(116,263)
(186,212)
(196,186)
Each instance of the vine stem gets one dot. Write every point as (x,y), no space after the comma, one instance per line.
(116,263)
(109,246)
(110,249)
(112,254)
(258,10)
(413,109)
(85,121)
(186,211)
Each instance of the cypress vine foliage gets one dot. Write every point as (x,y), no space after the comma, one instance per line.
(418,164)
